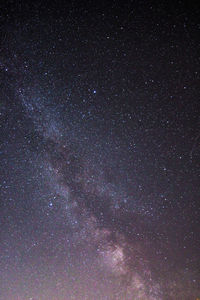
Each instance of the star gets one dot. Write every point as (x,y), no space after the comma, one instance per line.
(99,118)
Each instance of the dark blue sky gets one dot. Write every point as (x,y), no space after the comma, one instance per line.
(100,161)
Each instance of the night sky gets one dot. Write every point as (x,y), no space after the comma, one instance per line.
(99,150)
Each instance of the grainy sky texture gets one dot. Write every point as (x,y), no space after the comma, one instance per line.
(99,150)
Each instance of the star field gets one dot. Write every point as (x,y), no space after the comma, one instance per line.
(99,151)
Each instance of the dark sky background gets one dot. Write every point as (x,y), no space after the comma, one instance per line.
(99,148)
